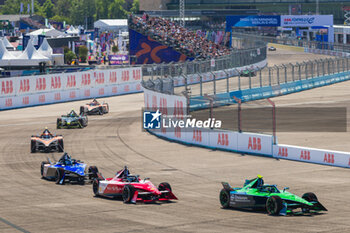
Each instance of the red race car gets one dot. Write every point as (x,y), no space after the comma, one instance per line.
(131,188)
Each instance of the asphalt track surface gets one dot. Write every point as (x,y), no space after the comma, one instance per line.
(31,204)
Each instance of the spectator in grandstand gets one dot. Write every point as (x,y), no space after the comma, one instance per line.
(188,42)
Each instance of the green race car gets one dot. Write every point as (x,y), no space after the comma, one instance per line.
(72,120)
(257,195)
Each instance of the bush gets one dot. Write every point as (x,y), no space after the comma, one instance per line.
(69,57)
(83,52)
(115,49)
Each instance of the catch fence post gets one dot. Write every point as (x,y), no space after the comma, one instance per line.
(239,101)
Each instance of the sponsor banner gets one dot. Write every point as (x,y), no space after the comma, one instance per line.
(255,143)
(252,21)
(199,137)
(311,155)
(306,20)
(223,139)
(118,59)
(67,95)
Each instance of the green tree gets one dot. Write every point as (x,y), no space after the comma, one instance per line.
(135,6)
(115,49)
(82,12)
(116,10)
(69,57)
(83,52)
(63,8)
(102,8)
(48,9)
(14,6)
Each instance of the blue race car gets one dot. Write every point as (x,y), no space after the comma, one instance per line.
(72,120)
(68,170)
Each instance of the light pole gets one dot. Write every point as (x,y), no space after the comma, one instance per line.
(182,13)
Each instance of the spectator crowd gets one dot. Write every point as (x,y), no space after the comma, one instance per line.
(185,41)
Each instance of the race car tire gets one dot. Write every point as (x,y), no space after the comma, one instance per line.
(58,124)
(32,146)
(100,111)
(60,145)
(94,171)
(308,197)
(42,167)
(274,205)
(128,193)
(225,198)
(58,175)
(106,109)
(95,187)
(164,186)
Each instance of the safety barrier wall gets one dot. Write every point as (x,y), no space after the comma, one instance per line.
(327,52)
(249,143)
(199,102)
(27,91)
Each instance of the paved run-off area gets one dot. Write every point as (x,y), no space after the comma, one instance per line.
(31,204)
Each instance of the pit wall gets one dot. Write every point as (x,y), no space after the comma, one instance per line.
(26,91)
(247,143)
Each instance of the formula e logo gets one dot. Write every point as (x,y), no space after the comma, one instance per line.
(151,120)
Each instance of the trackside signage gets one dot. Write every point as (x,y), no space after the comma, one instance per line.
(312,155)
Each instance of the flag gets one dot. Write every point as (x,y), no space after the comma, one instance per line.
(28,8)
(21,10)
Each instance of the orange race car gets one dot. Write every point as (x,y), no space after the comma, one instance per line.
(46,142)
(94,107)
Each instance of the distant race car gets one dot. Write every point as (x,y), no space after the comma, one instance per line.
(131,188)
(68,170)
(248,72)
(46,142)
(72,120)
(256,195)
(271,48)
(94,107)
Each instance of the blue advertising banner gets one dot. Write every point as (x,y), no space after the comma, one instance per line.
(149,51)
(252,21)
(118,59)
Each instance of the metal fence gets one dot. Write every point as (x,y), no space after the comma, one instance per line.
(237,58)
(337,47)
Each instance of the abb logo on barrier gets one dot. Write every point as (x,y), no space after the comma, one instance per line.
(178,132)
(100,78)
(55,82)
(101,91)
(114,89)
(138,87)
(154,103)
(85,80)
(223,139)
(25,100)
(71,81)
(8,102)
(197,135)
(24,85)
(178,109)
(328,158)
(72,95)
(283,152)
(57,96)
(126,88)
(136,74)
(41,98)
(163,106)
(125,75)
(254,143)
(7,87)
(87,92)
(305,155)
(113,77)
(40,84)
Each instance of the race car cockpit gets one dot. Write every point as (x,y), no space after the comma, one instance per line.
(46,134)
(66,160)
(94,102)
(125,175)
(72,114)
(269,189)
